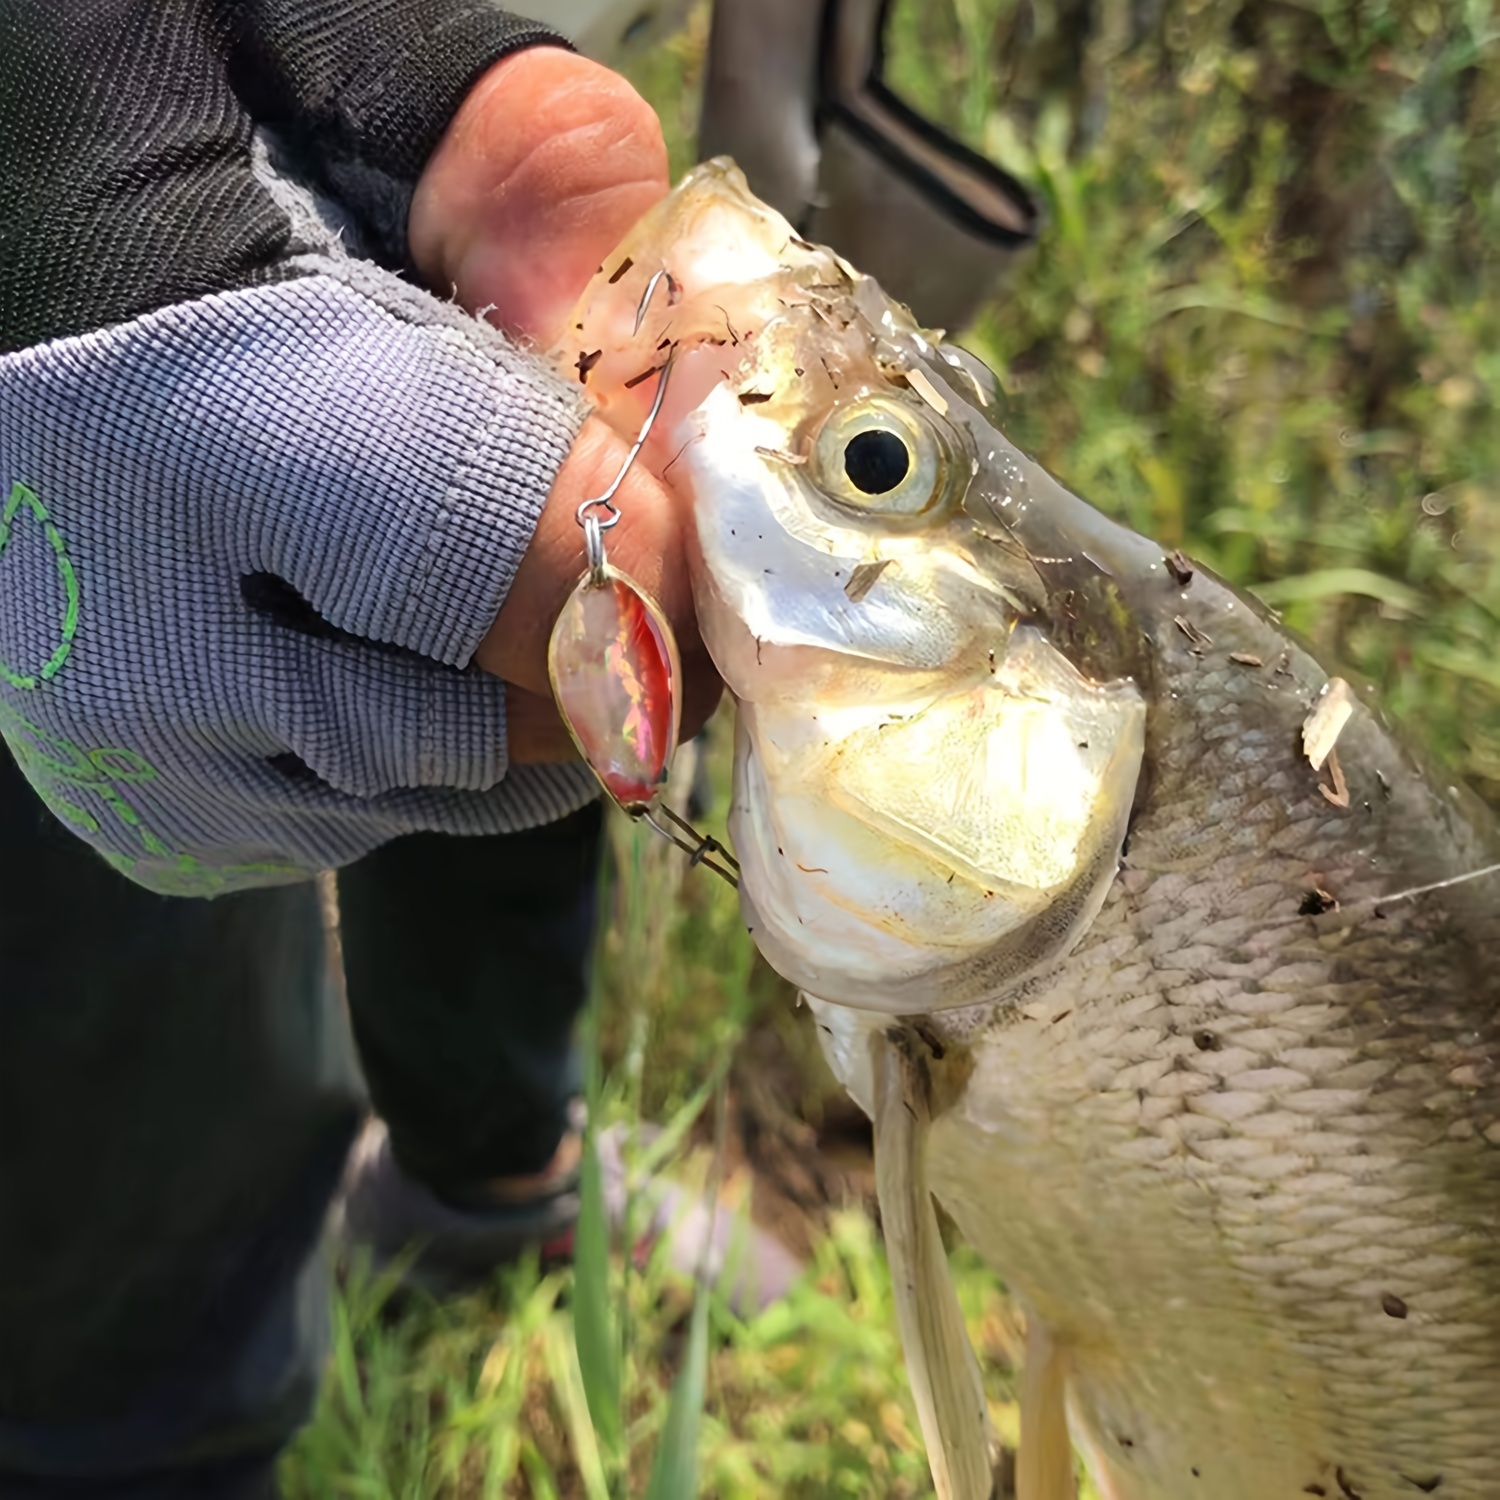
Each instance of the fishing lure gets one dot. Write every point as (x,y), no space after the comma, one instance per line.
(616,673)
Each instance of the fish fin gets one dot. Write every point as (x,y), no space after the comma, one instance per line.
(940,1362)
(1044,1466)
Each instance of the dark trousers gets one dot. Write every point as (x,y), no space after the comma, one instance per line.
(178,1091)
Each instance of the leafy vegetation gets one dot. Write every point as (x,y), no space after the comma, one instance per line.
(1263,324)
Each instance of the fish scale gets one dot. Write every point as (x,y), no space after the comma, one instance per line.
(1218,1227)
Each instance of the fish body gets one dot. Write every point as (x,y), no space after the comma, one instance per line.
(1208,1035)
(1241,1162)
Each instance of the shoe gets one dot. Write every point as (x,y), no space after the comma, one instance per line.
(386,1213)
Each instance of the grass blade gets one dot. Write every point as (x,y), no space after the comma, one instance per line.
(595,1331)
(596,1334)
(674,1474)
(1328,583)
(539,1473)
(567,1382)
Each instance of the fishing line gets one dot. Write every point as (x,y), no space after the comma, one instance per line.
(1375,902)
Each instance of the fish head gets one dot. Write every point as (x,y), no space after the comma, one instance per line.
(935,760)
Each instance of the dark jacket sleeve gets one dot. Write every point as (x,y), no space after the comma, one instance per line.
(127,131)
(362,90)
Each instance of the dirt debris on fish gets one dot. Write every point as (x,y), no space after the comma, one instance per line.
(1325,721)
(1211,1114)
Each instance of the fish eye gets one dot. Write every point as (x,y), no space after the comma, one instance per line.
(878,454)
(875,461)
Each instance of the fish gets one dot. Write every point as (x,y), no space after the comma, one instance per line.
(1156,955)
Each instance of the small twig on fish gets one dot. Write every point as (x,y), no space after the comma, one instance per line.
(1179,567)
(1326,720)
(783,455)
(1191,631)
(1318,901)
(678,454)
(586,362)
(621,269)
(922,384)
(862,579)
(1338,793)
(1377,904)
(1246,659)
(1352,912)
(644,376)
(734,338)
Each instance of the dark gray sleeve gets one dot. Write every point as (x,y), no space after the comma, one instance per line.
(361,90)
(126,132)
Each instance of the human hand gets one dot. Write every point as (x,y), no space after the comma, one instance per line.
(545,167)
(268,497)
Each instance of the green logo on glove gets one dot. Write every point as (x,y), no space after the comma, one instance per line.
(21,504)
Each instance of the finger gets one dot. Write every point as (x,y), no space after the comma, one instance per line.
(534,731)
(549,161)
(702,688)
(647,545)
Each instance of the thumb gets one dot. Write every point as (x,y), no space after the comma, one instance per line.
(549,161)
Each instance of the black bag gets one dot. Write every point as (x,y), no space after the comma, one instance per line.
(795,93)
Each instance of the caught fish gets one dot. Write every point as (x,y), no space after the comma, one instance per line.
(1158,960)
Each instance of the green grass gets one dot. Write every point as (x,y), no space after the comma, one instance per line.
(1263,323)
(1264,320)
(503,1394)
